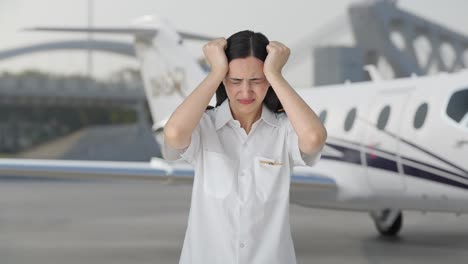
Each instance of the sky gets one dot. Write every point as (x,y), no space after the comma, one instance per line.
(286,21)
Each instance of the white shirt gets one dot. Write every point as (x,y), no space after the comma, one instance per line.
(240,199)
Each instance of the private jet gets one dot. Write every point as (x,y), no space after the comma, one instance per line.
(393,145)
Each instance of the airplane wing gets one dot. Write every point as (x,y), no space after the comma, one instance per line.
(308,178)
(307,187)
(311,189)
(156,169)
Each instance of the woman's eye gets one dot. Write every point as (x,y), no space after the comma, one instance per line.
(258,81)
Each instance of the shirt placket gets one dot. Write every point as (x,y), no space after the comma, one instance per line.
(242,177)
(243,243)
(244,184)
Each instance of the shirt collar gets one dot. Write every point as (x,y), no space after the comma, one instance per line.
(224,115)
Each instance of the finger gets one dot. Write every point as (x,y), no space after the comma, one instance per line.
(215,42)
(224,43)
(274,42)
(270,47)
(221,42)
(279,43)
(279,47)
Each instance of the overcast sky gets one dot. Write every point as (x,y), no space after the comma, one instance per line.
(287,21)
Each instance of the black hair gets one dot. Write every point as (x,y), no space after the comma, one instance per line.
(242,45)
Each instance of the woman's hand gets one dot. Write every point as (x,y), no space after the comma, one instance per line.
(216,56)
(277,57)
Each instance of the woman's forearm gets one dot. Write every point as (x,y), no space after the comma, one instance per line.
(310,131)
(185,118)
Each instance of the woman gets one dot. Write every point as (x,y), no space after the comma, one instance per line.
(243,152)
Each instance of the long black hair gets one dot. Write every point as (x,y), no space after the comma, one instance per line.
(242,45)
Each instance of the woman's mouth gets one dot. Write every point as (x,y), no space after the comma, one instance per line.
(246,101)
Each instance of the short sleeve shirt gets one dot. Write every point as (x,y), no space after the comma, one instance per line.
(240,199)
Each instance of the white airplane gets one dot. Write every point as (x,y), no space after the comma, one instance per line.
(392,145)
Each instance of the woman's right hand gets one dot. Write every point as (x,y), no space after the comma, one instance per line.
(216,56)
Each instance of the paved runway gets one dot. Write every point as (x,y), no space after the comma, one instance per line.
(130,222)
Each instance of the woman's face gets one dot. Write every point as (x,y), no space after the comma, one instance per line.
(246,85)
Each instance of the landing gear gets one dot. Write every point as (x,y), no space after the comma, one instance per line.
(388,221)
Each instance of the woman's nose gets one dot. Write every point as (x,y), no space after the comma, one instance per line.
(246,89)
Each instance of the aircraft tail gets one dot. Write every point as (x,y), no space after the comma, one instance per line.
(169,71)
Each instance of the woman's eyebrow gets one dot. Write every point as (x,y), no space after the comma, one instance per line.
(251,79)
(257,79)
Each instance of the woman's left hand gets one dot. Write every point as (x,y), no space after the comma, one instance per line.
(278,55)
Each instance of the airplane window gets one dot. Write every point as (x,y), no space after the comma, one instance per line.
(420,116)
(458,105)
(383,117)
(323,116)
(350,117)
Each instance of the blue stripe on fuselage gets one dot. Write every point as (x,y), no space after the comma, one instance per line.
(376,160)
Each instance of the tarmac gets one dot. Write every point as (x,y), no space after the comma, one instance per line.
(47,221)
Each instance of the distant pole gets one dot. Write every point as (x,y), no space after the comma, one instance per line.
(90,37)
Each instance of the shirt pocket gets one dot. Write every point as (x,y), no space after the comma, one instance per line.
(271,178)
(218,174)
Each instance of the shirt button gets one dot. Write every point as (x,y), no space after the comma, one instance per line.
(242,245)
